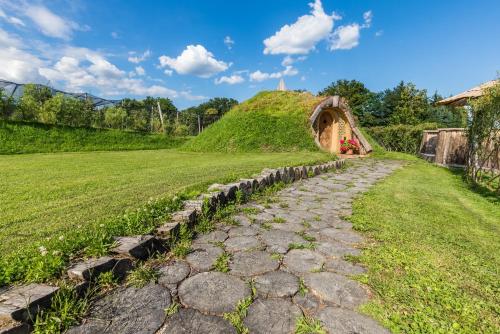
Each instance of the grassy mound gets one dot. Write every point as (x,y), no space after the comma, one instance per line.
(268,122)
(36,138)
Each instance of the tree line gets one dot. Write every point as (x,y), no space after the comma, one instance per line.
(152,114)
(403,104)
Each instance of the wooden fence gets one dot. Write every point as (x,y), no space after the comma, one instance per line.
(448,147)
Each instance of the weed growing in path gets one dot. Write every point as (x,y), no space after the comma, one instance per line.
(308,325)
(181,244)
(172,309)
(107,281)
(222,262)
(296,245)
(66,310)
(236,317)
(302,287)
(305,236)
(142,275)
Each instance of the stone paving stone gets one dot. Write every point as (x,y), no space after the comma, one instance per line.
(336,289)
(127,311)
(262,217)
(243,243)
(210,238)
(347,236)
(342,321)
(308,302)
(335,248)
(18,302)
(242,220)
(213,293)
(303,260)
(239,231)
(276,284)
(189,321)
(289,227)
(252,263)
(203,259)
(272,316)
(278,241)
(174,272)
(343,267)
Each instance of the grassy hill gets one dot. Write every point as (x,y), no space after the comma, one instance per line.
(18,137)
(268,122)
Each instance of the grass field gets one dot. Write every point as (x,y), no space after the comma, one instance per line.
(18,137)
(434,263)
(44,195)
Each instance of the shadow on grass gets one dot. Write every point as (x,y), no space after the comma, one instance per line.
(479,189)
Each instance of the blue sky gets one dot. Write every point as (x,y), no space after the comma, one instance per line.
(194,50)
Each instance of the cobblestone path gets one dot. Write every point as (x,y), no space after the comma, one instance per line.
(287,255)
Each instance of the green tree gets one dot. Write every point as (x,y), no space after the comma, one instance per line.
(447,117)
(115,117)
(7,105)
(51,110)
(208,112)
(31,102)
(355,92)
(406,103)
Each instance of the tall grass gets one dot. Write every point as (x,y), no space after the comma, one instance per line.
(18,137)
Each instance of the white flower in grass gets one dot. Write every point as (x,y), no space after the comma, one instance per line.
(42,250)
(61,238)
(56,253)
(101,225)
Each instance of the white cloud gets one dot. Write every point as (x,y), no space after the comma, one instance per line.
(261,76)
(168,72)
(103,68)
(228,41)
(345,37)
(138,59)
(140,70)
(379,33)
(195,60)
(81,69)
(288,60)
(12,19)
(17,64)
(51,24)
(231,80)
(115,35)
(302,36)
(367,16)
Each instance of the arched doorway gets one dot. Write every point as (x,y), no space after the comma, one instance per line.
(332,121)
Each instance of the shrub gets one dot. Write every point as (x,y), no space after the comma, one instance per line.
(400,138)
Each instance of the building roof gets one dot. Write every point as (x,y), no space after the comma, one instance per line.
(462,98)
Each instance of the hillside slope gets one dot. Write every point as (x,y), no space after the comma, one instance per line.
(271,121)
(16,137)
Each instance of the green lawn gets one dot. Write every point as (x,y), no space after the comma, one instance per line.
(434,264)
(46,195)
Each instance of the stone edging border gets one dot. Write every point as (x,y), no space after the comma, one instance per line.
(19,304)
